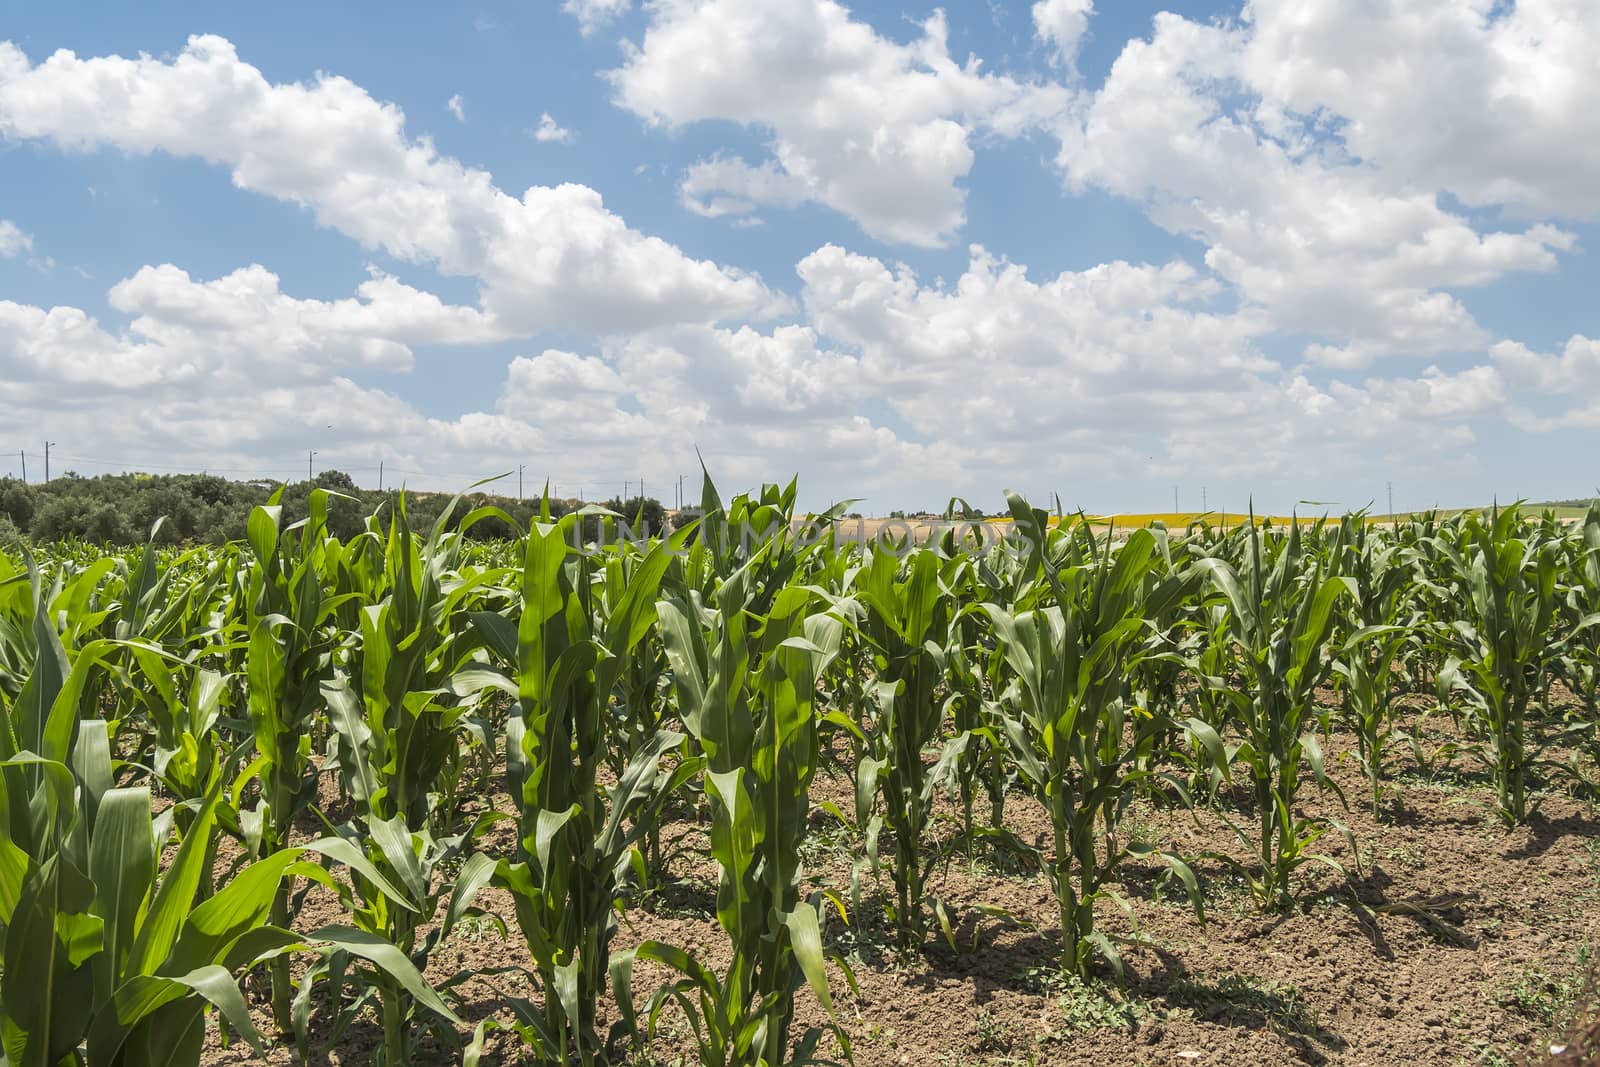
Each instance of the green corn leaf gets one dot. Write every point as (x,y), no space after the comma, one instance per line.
(387,958)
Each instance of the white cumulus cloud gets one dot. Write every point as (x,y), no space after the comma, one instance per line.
(13,241)
(550,130)
(1329,244)
(593,15)
(1062,24)
(554,257)
(876,129)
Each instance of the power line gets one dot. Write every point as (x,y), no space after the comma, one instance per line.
(127,464)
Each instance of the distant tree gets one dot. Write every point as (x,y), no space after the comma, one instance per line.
(54,521)
(204,508)
(643,516)
(210,488)
(104,525)
(64,517)
(16,502)
(337,480)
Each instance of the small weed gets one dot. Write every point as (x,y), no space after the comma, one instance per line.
(1222,890)
(1544,997)
(832,841)
(647,1058)
(1490,1056)
(1141,833)
(683,898)
(869,939)
(879,1035)
(472,927)
(671,1035)
(1224,893)
(1407,857)
(1234,997)
(1084,1005)
(997,852)
(1591,850)
(990,1033)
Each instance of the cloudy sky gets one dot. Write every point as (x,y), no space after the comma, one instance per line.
(1297,249)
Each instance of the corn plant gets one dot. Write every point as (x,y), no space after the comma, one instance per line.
(1502,643)
(578,837)
(982,764)
(906,623)
(1158,670)
(745,663)
(401,732)
(1579,664)
(1278,619)
(290,655)
(1382,625)
(638,711)
(105,963)
(1066,716)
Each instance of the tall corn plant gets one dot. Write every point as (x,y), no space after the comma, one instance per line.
(401,731)
(974,668)
(578,836)
(1157,672)
(1580,665)
(746,697)
(1069,725)
(1503,643)
(906,624)
(289,657)
(639,710)
(1382,625)
(745,664)
(982,764)
(105,963)
(1279,619)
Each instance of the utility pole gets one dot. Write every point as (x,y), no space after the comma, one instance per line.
(641,488)
(23,455)
(380,475)
(519,482)
(47,447)
(1390,487)
(309,455)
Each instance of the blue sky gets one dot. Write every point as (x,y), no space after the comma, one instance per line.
(1276,250)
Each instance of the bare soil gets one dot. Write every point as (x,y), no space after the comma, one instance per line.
(1469,944)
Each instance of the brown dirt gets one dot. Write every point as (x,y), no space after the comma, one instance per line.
(1469,949)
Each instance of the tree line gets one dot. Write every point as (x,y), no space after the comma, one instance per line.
(122,509)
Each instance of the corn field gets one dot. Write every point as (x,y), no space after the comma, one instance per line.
(194,742)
